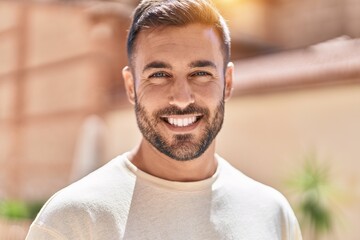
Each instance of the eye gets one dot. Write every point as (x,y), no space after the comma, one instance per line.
(201,74)
(159,75)
(159,78)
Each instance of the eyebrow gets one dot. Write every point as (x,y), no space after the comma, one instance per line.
(157,64)
(194,64)
(202,63)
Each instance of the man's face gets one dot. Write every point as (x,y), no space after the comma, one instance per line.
(178,86)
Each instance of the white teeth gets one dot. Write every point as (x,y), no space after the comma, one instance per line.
(181,122)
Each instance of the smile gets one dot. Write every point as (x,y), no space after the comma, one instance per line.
(181,121)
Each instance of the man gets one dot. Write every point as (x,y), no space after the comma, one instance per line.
(173,185)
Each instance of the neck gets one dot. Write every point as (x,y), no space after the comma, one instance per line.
(150,160)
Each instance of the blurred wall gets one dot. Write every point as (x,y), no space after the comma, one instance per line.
(58,65)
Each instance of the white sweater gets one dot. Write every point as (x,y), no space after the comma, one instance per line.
(119,201)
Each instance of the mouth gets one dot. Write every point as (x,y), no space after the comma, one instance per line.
(181,121)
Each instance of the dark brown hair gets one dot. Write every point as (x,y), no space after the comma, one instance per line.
(158,13)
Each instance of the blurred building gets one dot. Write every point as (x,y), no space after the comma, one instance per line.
(63,109)
(59,63)
(267,26)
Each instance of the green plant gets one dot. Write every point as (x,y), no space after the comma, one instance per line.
(314,192)
(14,209)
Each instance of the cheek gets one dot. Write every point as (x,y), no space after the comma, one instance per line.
(149,93)
(152,98)
(211,98)
(213,91)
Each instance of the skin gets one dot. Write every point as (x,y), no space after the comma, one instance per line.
(177,67)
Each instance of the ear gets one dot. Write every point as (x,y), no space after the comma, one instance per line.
(229,75)
(129,84)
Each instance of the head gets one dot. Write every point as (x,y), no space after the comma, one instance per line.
(179,74)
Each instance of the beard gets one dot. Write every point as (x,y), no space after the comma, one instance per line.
(181,147)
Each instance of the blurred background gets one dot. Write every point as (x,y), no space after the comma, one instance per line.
(293,121)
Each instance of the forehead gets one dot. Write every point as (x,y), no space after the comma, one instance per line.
(178,45)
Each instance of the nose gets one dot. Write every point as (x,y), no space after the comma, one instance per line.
(181,94)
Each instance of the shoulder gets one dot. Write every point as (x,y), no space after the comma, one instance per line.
(112,176)
(255,194)
(260,204)
(98,191)
(78,208)
(240,182)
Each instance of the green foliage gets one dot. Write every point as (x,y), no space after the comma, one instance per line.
(34,208)
(314,192)
(13,209)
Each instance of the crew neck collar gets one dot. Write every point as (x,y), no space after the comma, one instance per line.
(174,185)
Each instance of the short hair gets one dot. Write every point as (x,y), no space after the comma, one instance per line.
(158,13)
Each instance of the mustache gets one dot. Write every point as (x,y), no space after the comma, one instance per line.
(190,109)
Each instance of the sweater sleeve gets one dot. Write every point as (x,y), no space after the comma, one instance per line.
(41,232)
(292,225)
(61,220)
(297,231)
